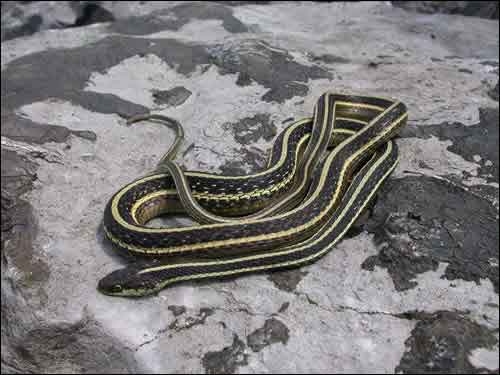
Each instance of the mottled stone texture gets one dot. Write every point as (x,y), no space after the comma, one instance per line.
(484,9)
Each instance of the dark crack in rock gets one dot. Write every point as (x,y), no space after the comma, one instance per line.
(227,360)
(271,67)
(272,332)
(441,343)
(287,280)
(478,139)
(420,221)
(173,97)
(187,322)
(178,16)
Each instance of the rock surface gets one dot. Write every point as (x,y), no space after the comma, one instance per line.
(22,18)
(413,288)
(484,9)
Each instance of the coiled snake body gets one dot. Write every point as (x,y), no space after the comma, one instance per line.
(321,173)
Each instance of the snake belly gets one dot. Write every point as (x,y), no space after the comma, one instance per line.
(322,172)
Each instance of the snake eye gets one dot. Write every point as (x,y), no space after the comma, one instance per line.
(117,288)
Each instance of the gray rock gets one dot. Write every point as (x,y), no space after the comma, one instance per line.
(173,97)
(22,18)
(272,332)
(442,342)
(227,360)
(493,93)
(433,226)
(412,288)
(484,9)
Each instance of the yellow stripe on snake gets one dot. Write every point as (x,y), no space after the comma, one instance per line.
(321,174)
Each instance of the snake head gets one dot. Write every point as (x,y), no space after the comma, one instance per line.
(128,282)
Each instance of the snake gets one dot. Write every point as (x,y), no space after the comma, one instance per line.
(321,174)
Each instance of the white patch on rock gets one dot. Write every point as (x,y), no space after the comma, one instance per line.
(438,160)
(216,100)
(485,358)
(201,31)
(364,30)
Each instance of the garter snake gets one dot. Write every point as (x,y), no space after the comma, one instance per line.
(321,174)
